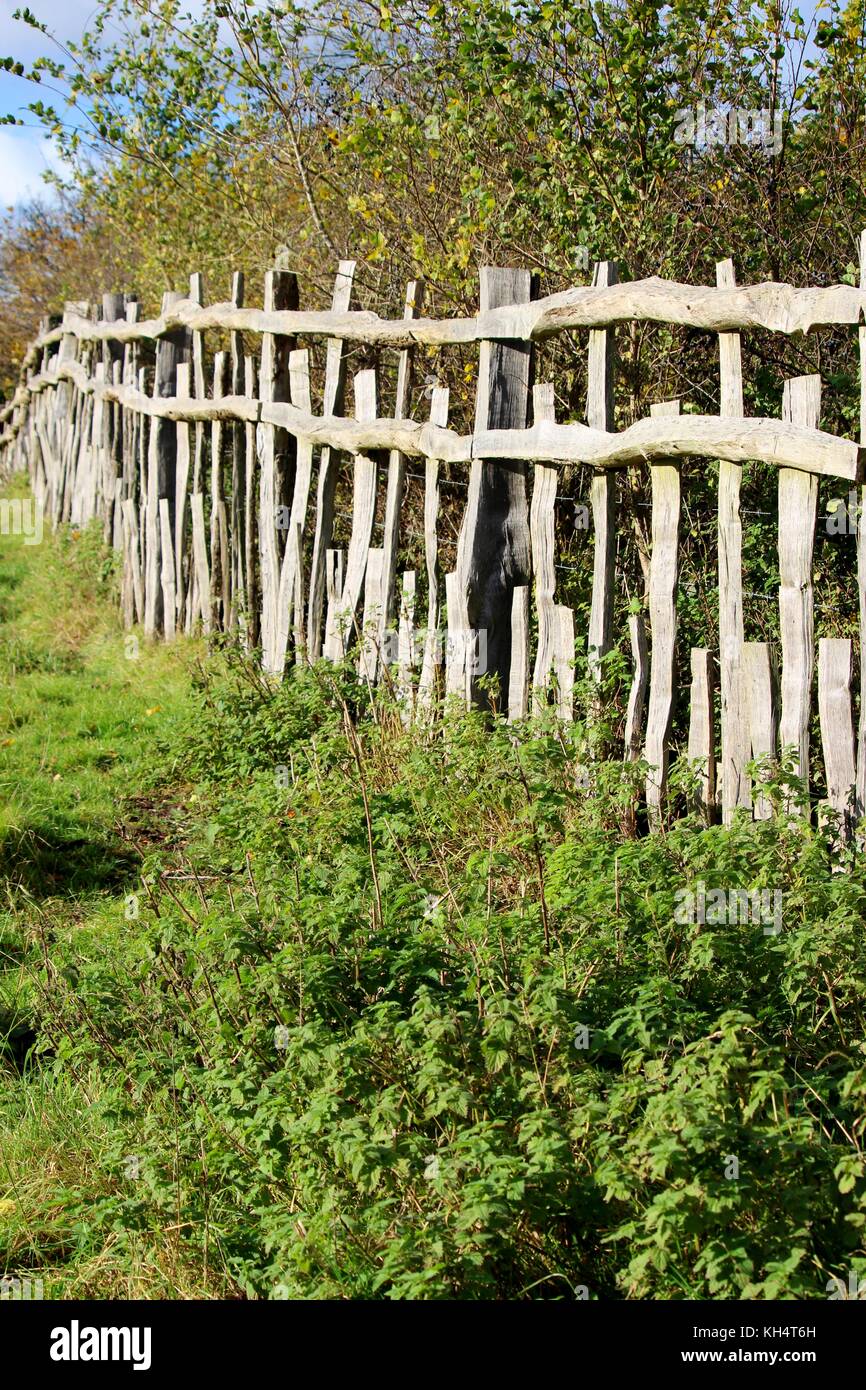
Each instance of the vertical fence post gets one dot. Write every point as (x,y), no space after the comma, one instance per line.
(397,469)
(761,705)
(171,350)
(701,735)
(368,645)
(735,791)
(518,676)
(196,294)
(406,644)
(637,694)
(335,377)
(219,558)
(291,574)
(281,292)
(664,560)
(113,309)
(432,657)
(835,662)
(133,586)
(601,370)
(130,419)
(332,649)
(237,587)
(542,535)
(798,514)
(167,580)
(493,552)
(200,561)
(181,562)
(365,477)
(250,536)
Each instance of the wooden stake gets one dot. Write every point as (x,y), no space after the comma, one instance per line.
(798,512)
(432,647)
(335,376)
(542,533)
(701,735)
(835,664)
(664,561)
(735,790)
(493,552)
(397,467)
(600,416)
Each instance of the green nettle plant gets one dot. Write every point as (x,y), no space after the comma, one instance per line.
(418,1017)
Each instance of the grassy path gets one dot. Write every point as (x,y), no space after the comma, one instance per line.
(86,717)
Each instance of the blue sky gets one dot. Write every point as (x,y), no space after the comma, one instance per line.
(24,154)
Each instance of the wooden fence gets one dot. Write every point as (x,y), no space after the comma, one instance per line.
(222,501)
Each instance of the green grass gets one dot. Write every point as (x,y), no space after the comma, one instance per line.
(79,720)
(86,787)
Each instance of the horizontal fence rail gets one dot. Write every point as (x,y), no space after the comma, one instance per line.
(780,308)
(698,436)
(223,489)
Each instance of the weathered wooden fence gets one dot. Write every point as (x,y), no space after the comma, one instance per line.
(235,531)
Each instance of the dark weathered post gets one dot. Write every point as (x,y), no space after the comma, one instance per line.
(493,553)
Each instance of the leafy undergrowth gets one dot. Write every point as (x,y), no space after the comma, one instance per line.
(396,1015)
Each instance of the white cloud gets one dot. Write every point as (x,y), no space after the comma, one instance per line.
(24,158)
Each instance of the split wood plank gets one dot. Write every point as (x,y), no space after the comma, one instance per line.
(601,371)
(365,476)
(432,657)
(281,292)
(455,654)
(291,571)
(798,513)
(637,694)
(162,464)
(113,309)
(563,661)
(761,702)
(250,538)
(665,484)
(835,666)
(167,575)
(130,516)
(701,752)
(335,377)
(735,789)
(368,645)
(181,558)
(332,649)
(199,384)
(542,535)
(396,481)
(220,561)
(237,569)
(202,569)
(518,678)
(406,643)
(299,635)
